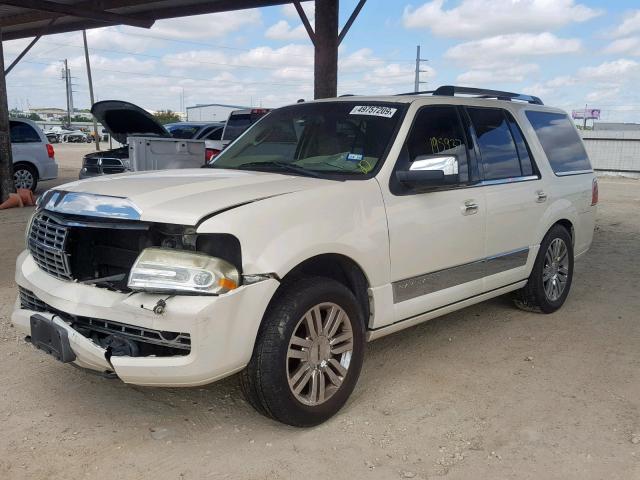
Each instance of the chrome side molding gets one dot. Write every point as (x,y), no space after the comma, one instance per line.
(450,277)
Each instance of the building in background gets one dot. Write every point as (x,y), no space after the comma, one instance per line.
(211,112)
(618,127)
(49,113)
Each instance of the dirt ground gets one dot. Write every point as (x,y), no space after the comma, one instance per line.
(487,392)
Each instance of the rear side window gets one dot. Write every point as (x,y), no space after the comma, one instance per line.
(23,133)
(560,141)
(214,134)
(236,125)
(497,147)
(526,164)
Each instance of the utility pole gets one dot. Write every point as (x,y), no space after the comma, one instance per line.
(67,81)
(417,82)
(86,57)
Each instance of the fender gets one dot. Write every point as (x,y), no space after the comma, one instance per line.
(277,234)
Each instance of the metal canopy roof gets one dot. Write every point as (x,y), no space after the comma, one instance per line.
(30,18)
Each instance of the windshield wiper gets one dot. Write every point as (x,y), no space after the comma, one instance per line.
(280,165)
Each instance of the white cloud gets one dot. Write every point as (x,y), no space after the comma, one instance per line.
(630,25)
(287,56)
(616,71)
(394,74)
(603,94)
(359,60)
(628,46)
(111,37)
(501,48)
(213,25)
(480,18)
(204,59)
(489,77)
(283,31)
(309,8)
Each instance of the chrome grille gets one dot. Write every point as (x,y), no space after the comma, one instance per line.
(105,166)
(29,301)
(47,242)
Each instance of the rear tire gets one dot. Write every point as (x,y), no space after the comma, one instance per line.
(25,176)
(308,353)
(550,280)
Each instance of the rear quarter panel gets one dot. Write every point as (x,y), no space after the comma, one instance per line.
(568,196)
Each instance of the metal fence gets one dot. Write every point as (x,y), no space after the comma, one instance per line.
(613,152)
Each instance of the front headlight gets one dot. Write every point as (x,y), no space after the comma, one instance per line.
(168,270)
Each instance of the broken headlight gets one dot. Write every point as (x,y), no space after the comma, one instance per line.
(168,270)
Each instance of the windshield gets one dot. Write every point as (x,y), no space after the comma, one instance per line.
(333,137)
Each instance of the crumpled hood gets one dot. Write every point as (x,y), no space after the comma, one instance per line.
(186,196)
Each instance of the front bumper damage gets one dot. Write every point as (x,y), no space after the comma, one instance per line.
(222,329)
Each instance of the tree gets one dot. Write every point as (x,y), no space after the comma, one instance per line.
(166,116)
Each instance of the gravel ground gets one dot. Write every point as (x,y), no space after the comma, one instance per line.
(486,392)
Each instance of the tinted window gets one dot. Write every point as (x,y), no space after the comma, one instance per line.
(526,164)
(236,124)
(497,148)
(560,141)
(184,131)
(23,133)
(214,134)
(437,131)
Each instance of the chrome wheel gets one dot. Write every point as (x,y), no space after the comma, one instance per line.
(319,354)
(555,272)
(23,178)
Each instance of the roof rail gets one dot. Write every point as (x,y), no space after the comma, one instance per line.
(452,90)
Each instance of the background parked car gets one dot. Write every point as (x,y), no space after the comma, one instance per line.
(237,123)
(33,155)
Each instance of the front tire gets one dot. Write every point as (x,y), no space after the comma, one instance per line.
(308,354)
(552,274)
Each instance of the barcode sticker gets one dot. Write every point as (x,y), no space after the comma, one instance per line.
(373,110)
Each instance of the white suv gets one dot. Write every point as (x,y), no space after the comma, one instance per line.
(325,225)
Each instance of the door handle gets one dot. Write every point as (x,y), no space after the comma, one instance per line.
(470,207)
(541,196)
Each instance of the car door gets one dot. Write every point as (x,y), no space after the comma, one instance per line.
(515,199)
(436,235)
(26,145)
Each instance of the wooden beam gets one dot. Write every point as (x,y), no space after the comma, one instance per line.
(32,16)
(326,51)
(305,21)
(352,19)
(84,12)
(28,47)
(7,184)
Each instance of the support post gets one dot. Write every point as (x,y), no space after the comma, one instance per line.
(326,51)
(86,57)
(7,184)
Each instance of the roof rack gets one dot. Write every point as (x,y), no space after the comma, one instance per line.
(451,91)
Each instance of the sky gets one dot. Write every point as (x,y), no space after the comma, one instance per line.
(571,53)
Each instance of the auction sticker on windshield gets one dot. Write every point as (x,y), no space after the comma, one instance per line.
(373,110)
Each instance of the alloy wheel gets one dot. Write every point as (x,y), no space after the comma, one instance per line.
(23,179)
(555,272)
(319,353)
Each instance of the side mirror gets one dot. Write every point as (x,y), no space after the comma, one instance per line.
(430,171)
